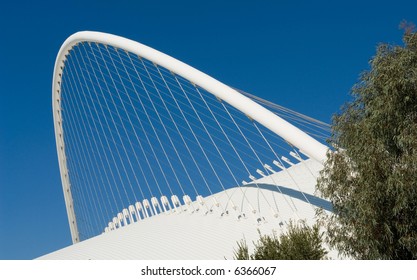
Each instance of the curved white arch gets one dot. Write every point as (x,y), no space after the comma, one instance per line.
(287,131)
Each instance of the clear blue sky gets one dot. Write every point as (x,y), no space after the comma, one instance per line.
(305,55)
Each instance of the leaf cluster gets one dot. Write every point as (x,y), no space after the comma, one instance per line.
(300,242)
(371,176)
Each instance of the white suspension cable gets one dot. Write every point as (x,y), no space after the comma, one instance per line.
(134,130)
(97,153)
(204,153)
(80,155)
(157,136)
(88,140)
(140,120)
(250,146)
(278,187)
(169,137)
(214,117)
(179,133)
(80,205)
(112,137)
(296,184)
(110,168)
(130,122)
(92,136)
(146,134)
(84,156)
(118,133)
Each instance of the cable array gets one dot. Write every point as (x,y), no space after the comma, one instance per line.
(141,140)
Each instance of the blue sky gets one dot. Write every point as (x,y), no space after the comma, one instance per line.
(305,55)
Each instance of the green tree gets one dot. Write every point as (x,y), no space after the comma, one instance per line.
(300,242)
(371,176)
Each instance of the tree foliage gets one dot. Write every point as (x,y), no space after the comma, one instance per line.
(301,242)
(371,176)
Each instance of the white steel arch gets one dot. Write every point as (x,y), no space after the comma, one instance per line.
(287,131)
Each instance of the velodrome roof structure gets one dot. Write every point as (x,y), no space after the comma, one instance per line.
(161,161)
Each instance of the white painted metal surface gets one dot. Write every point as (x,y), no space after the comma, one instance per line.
(291,134)
(186,235)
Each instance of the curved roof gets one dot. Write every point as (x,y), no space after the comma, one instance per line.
(194,230)
(209,235)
